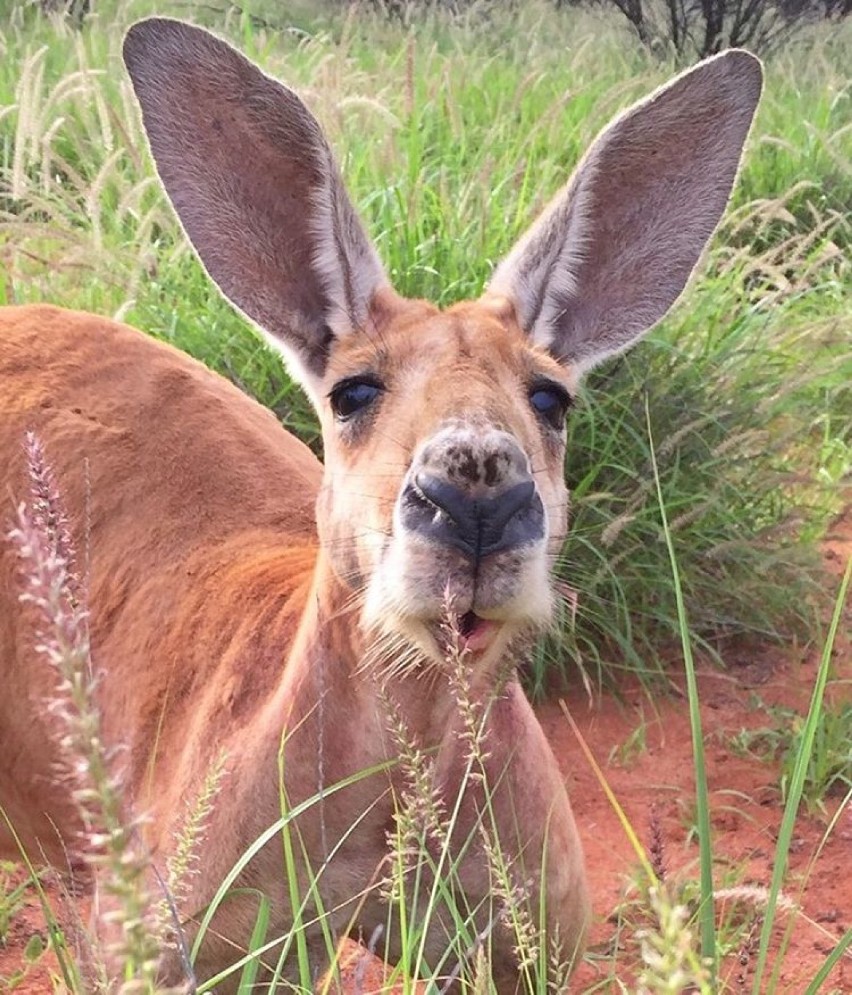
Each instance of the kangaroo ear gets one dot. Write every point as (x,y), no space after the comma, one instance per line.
(256,188)
(612,253)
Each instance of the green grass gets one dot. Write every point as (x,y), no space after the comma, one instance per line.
(691,929)
(452,136)
(829,770)
(12,893)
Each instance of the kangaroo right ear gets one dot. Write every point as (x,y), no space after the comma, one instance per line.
(614,250)
(256,188)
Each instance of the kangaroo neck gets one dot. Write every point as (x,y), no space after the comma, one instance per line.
(339,673)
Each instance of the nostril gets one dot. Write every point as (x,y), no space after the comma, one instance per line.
(445,497)
(512,518)
(415,495)
(509,503)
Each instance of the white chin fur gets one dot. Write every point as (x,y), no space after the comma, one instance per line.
(406,596)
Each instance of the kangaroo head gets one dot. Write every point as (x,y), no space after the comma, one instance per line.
(443,431)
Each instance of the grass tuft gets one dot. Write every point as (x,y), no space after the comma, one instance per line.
(126,945)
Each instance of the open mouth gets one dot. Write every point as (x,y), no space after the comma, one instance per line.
(475,633)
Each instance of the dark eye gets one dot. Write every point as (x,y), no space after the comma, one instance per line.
(351,396)
(551,403)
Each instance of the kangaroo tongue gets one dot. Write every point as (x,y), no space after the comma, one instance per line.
(476,633)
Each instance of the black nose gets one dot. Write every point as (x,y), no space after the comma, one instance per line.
(477,526)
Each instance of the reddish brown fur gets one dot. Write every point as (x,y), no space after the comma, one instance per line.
(184,526)
(202,549)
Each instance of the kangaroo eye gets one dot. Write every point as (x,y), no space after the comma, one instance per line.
(351,396)
(551,403)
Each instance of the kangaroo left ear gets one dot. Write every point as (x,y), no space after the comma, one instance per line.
(612,253)
(256,188)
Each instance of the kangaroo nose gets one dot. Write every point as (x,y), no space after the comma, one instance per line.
(477,526)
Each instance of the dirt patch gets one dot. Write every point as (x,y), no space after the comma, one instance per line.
(654,785)
(644,746)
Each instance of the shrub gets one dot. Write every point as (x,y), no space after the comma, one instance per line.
(699,28)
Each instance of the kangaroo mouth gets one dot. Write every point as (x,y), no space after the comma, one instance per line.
(475,634)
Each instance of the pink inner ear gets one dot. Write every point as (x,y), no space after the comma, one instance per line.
(615,249)
(254,183)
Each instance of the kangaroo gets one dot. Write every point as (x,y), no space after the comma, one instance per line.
(247,600)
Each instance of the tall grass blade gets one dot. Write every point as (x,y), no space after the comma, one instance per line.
(797,782)
(629,831)
(706,912)
(258,935)
(291,872)
(842,946)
